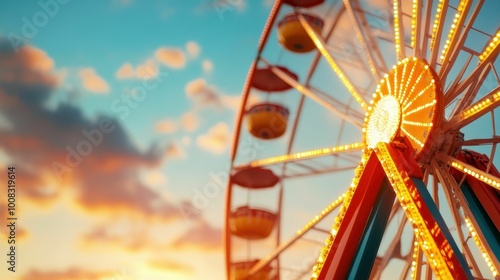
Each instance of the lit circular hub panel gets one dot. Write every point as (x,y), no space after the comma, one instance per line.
(407,102)
(383,123)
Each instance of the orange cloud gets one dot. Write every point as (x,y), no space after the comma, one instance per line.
(201,92)
(170,266)
(190,121)
(103,237)
(193,49)
(202,236)
(29,65)
(166,126)
(155,178)
(92,81)
(123,195)
(207,66)
(146,70)
(171,57)
(174,151)
(204,95)
(216,140)
(126,71)
(70,274)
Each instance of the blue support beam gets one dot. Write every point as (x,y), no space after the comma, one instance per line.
(372,236)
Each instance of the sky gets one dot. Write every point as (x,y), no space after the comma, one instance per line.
(119,109)
(118,116)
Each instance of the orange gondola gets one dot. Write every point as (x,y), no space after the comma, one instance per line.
(267,120)
(294,37)
(252,223)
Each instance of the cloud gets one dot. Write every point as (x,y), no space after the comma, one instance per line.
(201,236)
(129,239)
(155,178)
(170,266)
(126,71)
(205,95)
(189,121)
(175,151)
(92,81)
(166,126)
(193,49)
(30,66)
(73,153)
(146,70)
(72,273)
(207,66)
(216,140)
(202,93)
(171,57)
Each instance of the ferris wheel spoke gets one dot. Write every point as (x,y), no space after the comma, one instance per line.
(416,27)
(425,26)
(323,171)
(475,230)
(470,170)
(399,37)
(366,40)
(320,45)
(307,154)
(455,30)
(468,96)
(455,83)
(439,171)
(456,38)
(483,106)
(486,58)
(437,30)
(338,104)
(309,93)
(491,49)
(483,141)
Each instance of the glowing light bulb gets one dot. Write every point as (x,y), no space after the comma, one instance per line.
(383,123)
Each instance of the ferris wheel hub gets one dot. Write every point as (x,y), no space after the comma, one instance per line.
(407,102)
(384,121)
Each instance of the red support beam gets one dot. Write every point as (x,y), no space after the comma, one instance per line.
(345,244)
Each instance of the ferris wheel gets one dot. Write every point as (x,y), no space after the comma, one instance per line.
(366,143)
